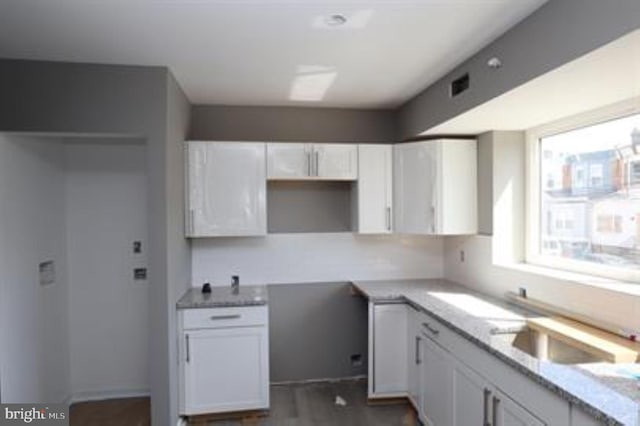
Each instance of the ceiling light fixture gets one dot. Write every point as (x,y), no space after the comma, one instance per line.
(335,20)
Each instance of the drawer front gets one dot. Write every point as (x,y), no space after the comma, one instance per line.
(224,317)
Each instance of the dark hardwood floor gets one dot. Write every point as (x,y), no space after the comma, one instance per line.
(111,412)
(309,404)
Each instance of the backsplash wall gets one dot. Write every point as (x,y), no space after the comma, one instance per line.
(317,257)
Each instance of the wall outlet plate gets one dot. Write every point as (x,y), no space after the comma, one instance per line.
(47,273)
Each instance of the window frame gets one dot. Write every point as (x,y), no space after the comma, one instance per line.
(533,188)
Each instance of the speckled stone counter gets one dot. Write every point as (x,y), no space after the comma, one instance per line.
(608,392)
(223,297)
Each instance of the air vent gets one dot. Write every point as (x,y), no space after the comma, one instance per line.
(459,85)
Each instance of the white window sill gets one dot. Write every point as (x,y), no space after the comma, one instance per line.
(628,288)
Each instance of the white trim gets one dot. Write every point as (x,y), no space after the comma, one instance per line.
(532,191)
(86,396)
(321,380)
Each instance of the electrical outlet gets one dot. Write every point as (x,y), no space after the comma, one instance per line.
(137,247)
(462,256)
(522,292)
(140,274)
(47,273)
(356,360)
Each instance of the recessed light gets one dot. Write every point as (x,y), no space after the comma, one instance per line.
(335,20)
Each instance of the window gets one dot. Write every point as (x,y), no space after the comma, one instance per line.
(591,222)
(595,174)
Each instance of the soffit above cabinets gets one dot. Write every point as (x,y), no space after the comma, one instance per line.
(605,76)
(252,52)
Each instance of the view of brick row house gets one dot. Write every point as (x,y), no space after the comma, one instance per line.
(591,203)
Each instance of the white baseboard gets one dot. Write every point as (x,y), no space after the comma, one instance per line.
(86,396)
(323,380)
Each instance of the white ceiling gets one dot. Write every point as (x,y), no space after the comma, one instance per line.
(603,77)
(267,52)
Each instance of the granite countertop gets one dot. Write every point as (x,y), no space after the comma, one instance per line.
(609,392)
(223,297)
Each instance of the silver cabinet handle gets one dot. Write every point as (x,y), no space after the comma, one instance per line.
(388,218)
(496,406)
(433,331)
(433,219)
(224,317)
(186,337)
(485,420)
(191,220)
(418,360)
(308,163)
(317,155)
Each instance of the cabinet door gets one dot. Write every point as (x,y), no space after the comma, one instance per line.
(288,160)
(226,189)
(457,206)
(507,412)
(415,174)
(335,161)
(414,355)
(471,397)
(436,384)
(389,342)
(225,369)
(375,183)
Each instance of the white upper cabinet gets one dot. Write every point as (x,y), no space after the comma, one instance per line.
(226,189)
(312,161)
(336,161)
(375,189)
(288,160)
(435,187)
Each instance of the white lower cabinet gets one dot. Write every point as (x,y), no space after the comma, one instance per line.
(224,360)
(452,382)
(415,348)
(387,350)
(436,385)
(477,401)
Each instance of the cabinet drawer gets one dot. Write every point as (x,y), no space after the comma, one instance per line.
(224,317)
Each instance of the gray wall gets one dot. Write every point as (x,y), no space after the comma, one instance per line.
(485,183)
(291,124)
(48,97)
(558,32)
(314,329)
(178,252)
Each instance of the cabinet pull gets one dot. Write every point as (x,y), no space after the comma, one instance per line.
(191,217)
(309,163)
(433,219)
(418,360)
(388,218)
(225,317)
(494,414)
(485,420)
(433,331)
(317,155)
(186,337)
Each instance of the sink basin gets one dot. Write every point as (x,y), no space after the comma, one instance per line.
(558,352)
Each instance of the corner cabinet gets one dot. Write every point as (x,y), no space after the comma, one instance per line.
(435,187)
(308,161)
(224,362)
(387,350)
(226,189)
(375,189)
